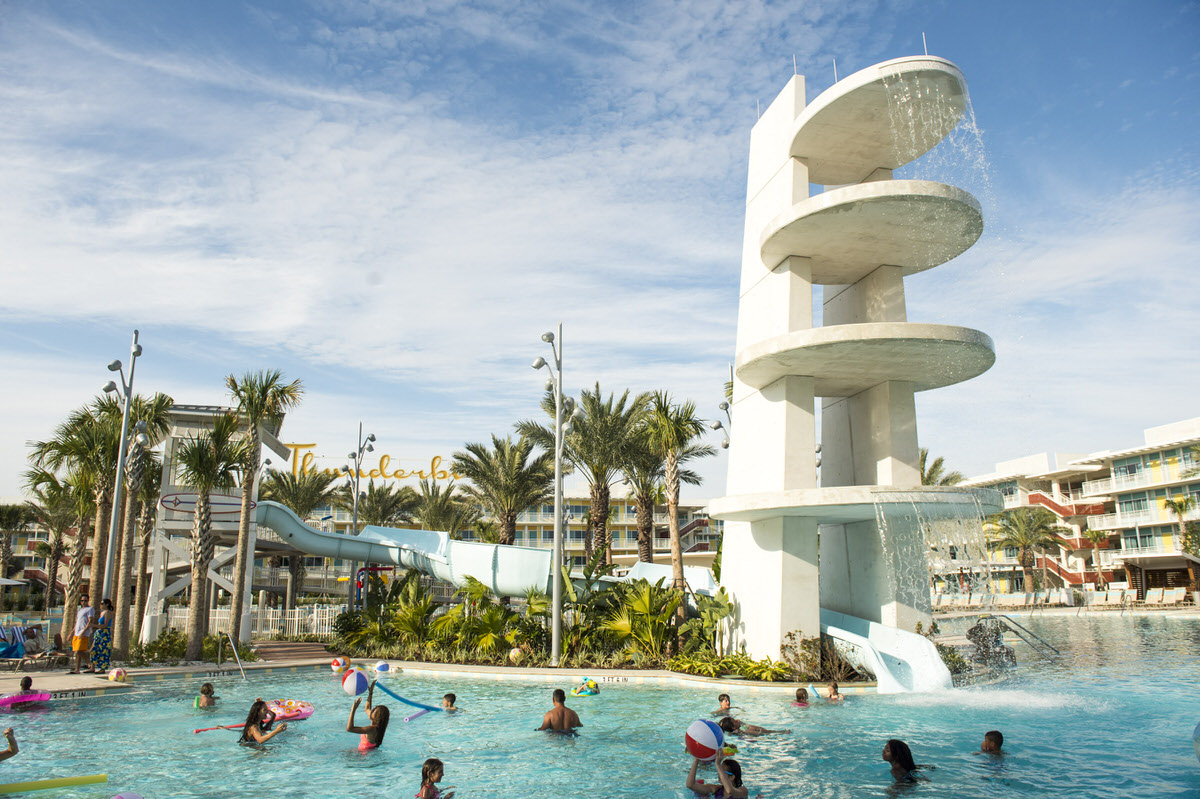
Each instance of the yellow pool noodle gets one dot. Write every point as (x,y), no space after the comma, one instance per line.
(59,782)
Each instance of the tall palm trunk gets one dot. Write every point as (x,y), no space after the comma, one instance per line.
(74,581)
(56,552)
(297,571)
(6,550)
(599,522)
(143,575)
(202,547)
(243,542)
(508,528)
(124,563)
(645,527)
(671,480)
(99,545)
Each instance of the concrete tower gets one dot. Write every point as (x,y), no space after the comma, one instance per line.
(800,518)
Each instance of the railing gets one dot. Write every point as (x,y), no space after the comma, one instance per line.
(1146,477)
(314,620)
(1154,515)
(233,646)
(1157,549)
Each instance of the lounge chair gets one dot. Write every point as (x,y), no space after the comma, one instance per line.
(1154,597)
(1173,596)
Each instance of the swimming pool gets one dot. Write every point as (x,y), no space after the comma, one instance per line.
(1112,717)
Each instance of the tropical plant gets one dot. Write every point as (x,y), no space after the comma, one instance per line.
(1180,507)
(303,493)
(699,633)
(86,444)
(642,617)
(147,513)
(443,509)
(207,462)
(14,519)
(598,445)
(486,531)
(385,505)
(262,399)
(671,431)
(76,489)
(935,474)
(644,476)
(1025,529)
(151,417)
(505,480)
(54,509)
(1098,539)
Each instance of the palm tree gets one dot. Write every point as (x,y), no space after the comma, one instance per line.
(75,489)
(1026,529)
(385,505)
(207,462)
(599,447)
(1180,508)
(645,474)
(54,509)
(154,415)
(148,496)
(440,509)
(1098,538)
(505,481)
(87,444)
(262,399)
(935,473)
(303,493)
(13,519)
(671,432)
(486,531)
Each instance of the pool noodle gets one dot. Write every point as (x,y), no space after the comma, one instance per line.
(414,715)
(399,698)
(21,699)
(59,782)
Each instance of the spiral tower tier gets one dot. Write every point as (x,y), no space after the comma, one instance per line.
(801,531)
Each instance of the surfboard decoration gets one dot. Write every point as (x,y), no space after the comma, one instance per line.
(220,504)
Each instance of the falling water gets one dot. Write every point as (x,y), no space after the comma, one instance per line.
(936,535)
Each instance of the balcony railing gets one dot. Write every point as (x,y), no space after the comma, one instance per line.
(1146,477)
(1157,549)
(1122,519)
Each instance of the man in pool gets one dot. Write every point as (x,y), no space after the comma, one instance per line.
(723,710)
(448,703)
(993,740)
(560,718)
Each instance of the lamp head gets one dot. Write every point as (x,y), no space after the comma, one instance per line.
(724,406)
(538,362)
(137,350)
(550,385)
(548,337)
(370,436)
(142,440)
(352,455)
(115,366)
(725,443)
(370,448)
(266,462)
(568,428)
(715,424)
(141,426)
(345,469)
(818,461)
(577,413)
(110,387)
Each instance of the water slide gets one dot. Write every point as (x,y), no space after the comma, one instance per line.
(901,661)
(506,570)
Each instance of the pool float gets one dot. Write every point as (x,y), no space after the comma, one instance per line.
(284,710)
(586,688)
(57,782)
(23,699)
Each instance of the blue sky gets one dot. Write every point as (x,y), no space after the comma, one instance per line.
(392,201)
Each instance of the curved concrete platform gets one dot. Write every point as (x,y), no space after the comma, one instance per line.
(843,504)
(848,131)
(849,232)
(847,359)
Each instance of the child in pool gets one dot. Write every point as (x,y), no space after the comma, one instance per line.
(993,741)
(834,694)
(737,727)
(12,745)
(448,703)
(372,734)
(801,698)
(724,702)
(206,698)
(729,775)
(900,756)
(431,773)
(258,724)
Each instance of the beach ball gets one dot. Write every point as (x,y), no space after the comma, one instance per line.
(118,675)
(382,666)
(355,682)
(339,665)
(703,738)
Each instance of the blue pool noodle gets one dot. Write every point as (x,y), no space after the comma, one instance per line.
(399,698)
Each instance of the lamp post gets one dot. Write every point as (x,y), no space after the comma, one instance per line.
(354,470)
(561,429)
(135,350)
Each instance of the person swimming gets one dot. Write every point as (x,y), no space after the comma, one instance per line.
(738,727)
(206,697)
(372,734)
(801,698)
(729,776)
(432,771)
(258,724)
(897,753)
(834,694)
(993,741)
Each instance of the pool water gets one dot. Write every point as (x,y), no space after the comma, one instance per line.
(1112,717)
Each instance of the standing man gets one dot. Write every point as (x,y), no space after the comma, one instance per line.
(82,642)
(560,718)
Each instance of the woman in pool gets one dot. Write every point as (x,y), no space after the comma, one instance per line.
(102,638)
(432,772)
(258,724)
(372,734)
(206,698)
(729,775)
(900,756)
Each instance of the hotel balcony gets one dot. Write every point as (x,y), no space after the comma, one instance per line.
(1124,519)
(1146,477)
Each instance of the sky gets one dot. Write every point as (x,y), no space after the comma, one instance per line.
(392,201)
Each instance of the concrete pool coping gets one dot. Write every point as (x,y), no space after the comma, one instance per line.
(83,686)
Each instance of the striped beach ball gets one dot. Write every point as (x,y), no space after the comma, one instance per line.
(339,665)
(355,682)
(703,738)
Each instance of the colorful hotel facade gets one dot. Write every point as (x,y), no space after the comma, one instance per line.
(1122,492)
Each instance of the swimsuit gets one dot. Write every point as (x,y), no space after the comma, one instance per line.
(364,743)
(436,793)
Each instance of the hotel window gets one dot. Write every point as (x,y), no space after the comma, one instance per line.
(548,536)
(1010,552)
(1128,469)
(1132,506)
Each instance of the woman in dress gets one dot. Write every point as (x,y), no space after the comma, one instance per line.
(102,639)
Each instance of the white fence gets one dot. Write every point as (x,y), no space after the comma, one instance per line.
(309,620)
